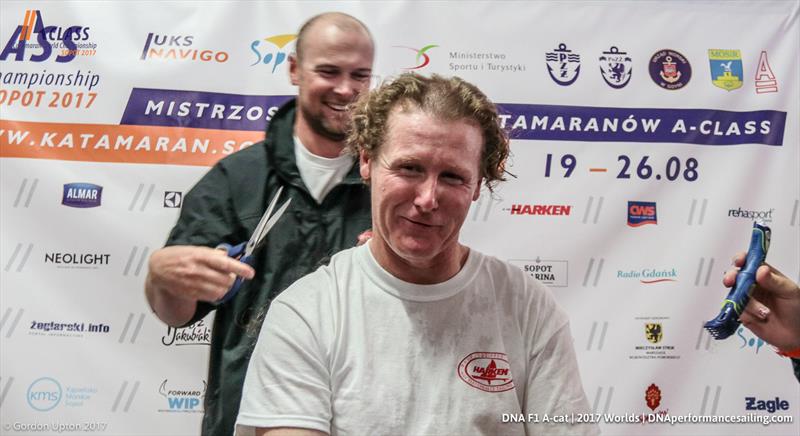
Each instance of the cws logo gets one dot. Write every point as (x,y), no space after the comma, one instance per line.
(422,59)
(489,372)
(641,213)
(654,334)
(47,38)
(178,48)
(553,273)
(198,333)
(82,195)
(726,68)
(771,406)
(616,67)
(539,209)
(563,65)
(272,56)
(182,400)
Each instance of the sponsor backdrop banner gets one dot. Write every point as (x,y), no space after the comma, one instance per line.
(647,138)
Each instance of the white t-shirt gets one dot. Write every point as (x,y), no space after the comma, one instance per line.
(352,350)
(320,174)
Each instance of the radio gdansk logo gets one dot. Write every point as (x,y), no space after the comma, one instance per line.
(272,56)
(539,209)
(553,273)
(762,215)
(198,333)
(74,329)
(178,48)
(649,276)
(771,406)
(641,213)
(488,372)
(82,195)
(47,39)
(182,399)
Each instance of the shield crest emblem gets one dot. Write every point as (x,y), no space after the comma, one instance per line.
(653,333)
(726,68)
(616,67)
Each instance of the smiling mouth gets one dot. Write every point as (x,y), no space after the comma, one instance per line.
(337,107)
(420,223)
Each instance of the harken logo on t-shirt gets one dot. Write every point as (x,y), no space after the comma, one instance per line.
(488,372)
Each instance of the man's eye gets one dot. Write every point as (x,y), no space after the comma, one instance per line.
(453,179)
(410,169)
(361,77)
(327,73)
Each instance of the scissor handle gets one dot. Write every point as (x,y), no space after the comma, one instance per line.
(236,252)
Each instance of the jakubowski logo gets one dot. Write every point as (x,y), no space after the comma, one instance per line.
(422,59)
(82,195)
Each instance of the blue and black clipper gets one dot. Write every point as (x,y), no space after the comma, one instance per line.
(726,323)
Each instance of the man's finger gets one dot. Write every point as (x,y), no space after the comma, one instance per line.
(222,263)
(756,310)
(774,281)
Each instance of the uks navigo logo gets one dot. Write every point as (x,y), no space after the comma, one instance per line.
(641,213)
(182,399)
(616,67)
(274,54)
(563,65)
(178,48)
(726,68)
(421,59)
(82,195)
(488,372)
(44,394)
(40,48)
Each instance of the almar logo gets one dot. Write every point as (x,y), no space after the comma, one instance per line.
(47,39)
(44,394)
(274,56)
(82,195)
(422,59)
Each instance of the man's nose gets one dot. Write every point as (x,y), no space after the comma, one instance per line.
(427,198)
(347,88)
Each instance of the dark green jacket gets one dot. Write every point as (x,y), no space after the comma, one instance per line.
(225,206)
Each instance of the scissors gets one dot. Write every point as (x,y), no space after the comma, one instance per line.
(244,251)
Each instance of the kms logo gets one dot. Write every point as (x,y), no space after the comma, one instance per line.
(46,38)
(182,400)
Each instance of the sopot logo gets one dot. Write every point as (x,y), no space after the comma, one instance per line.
(47,39)
(749,340)
(274,56)
(422,59)
(182,399)
(178,48)
(44,394)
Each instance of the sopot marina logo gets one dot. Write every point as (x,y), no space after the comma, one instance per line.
(563,65)
(173,199)
(271,55)
(178,48)
(770,406)
(71,329)
(616,67)
(182,400)
(553,273)
(198,333)
(670,70)
(77,260)
(47,38)
(751,215)
(422,59)
(726,68)
(82,195)
(641,213)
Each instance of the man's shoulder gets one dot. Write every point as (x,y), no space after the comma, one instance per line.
(322,283)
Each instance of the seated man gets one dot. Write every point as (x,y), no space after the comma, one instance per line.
(413,332)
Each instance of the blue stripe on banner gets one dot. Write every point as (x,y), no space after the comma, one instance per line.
(204,110)
(691,126)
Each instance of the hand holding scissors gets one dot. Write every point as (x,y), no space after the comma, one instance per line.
(245,250)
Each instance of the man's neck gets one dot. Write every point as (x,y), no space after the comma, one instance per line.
(316,144)
(429,272)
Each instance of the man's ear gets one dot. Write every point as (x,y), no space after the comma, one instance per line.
(294,69)
(363,162)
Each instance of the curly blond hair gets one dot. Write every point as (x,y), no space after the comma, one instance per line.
(449,99)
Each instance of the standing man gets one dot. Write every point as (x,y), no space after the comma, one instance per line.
(414,333)
(302,153)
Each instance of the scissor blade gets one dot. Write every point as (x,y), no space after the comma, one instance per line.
(262,223)
(272,221)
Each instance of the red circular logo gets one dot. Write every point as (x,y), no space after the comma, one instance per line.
(488,372)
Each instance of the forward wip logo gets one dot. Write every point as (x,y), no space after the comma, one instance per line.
(488,372)
(422,58)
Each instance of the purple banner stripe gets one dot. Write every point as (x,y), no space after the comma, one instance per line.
(690,126)
(203,110)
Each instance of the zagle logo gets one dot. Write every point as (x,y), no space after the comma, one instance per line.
(539,209)
(563,65)
(652,331)
(653,396)
(616,67)
(422,59)
(177,47)
(82,195)
(726,68)
(771,406)
(271,55)
(47,38)
(641,213)
(488,372)
(670,69)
